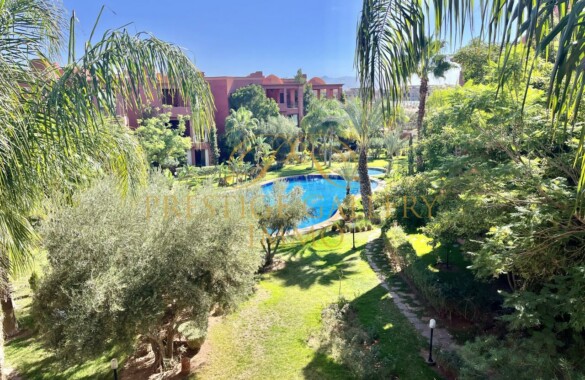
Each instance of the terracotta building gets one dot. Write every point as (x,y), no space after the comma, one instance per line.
(286,92)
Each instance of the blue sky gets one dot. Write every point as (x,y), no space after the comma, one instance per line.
(237,37)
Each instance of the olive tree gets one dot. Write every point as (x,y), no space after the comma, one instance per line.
(128,270)
(278,212)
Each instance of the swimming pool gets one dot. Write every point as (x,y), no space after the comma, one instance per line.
(321,194)
(374,172)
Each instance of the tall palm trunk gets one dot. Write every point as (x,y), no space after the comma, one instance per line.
(365,185)
(2,377)
(389,167)
(9,324)
(410,156)
(423,92)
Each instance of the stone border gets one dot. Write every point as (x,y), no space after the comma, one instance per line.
(384,170)
(443,339)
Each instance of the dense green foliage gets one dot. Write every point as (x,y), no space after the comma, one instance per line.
(57,122)
(323,125)
(123,269)
(474,59)
(344,339)
(239,131)
(281,133)
(505,186)
(254,99)
(164,144)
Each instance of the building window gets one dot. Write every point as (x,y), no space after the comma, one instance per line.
(281,98)
(171,98)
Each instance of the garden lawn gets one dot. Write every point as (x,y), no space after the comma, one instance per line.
(267,337)
(399,166)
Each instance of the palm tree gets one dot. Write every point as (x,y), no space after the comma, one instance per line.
(391,37)
(364,119)
(430,61)
(240,127)
(58,125)
(324,124)
(348,172)
(393,144)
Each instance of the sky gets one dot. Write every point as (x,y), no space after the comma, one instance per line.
(238,37)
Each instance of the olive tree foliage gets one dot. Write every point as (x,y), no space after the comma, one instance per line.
(124,270)
(164,145)
(279,212)
(56,120)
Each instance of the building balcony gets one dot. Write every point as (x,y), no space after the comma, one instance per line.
(176,111)
(293,107)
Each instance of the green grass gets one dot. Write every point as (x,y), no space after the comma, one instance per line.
(398,169)
(320,167)
(31,358)
(267,337)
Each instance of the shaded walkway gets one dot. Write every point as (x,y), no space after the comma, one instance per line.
(406,302)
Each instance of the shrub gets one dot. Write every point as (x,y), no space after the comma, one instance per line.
(33,281)
(409,200)
(363,225)
(396,237)
(513,358)
(338,225)
(347,342)
(347,207)
(276,166)
(349,156)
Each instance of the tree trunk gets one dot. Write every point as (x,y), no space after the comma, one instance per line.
(312,155)
(365,185)
(389,168)
(424,89)
(157,348)
(266,244)
(9,324)
(410,156)
(2,377)
(170,345)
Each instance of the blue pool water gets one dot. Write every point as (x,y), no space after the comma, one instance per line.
(375,172)
(323,195)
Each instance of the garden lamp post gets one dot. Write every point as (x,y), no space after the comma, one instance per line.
(432,324)
(352,226)
(114,366)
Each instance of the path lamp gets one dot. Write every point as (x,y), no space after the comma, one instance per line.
(114,366)
(352,226)
(432,324)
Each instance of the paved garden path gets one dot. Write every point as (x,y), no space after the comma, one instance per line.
(406,302)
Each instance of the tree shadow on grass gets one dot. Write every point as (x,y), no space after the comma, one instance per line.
(307,265)
(397,340)
(43,363)
(323,367)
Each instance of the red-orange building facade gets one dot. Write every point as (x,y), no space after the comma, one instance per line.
(286,92)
